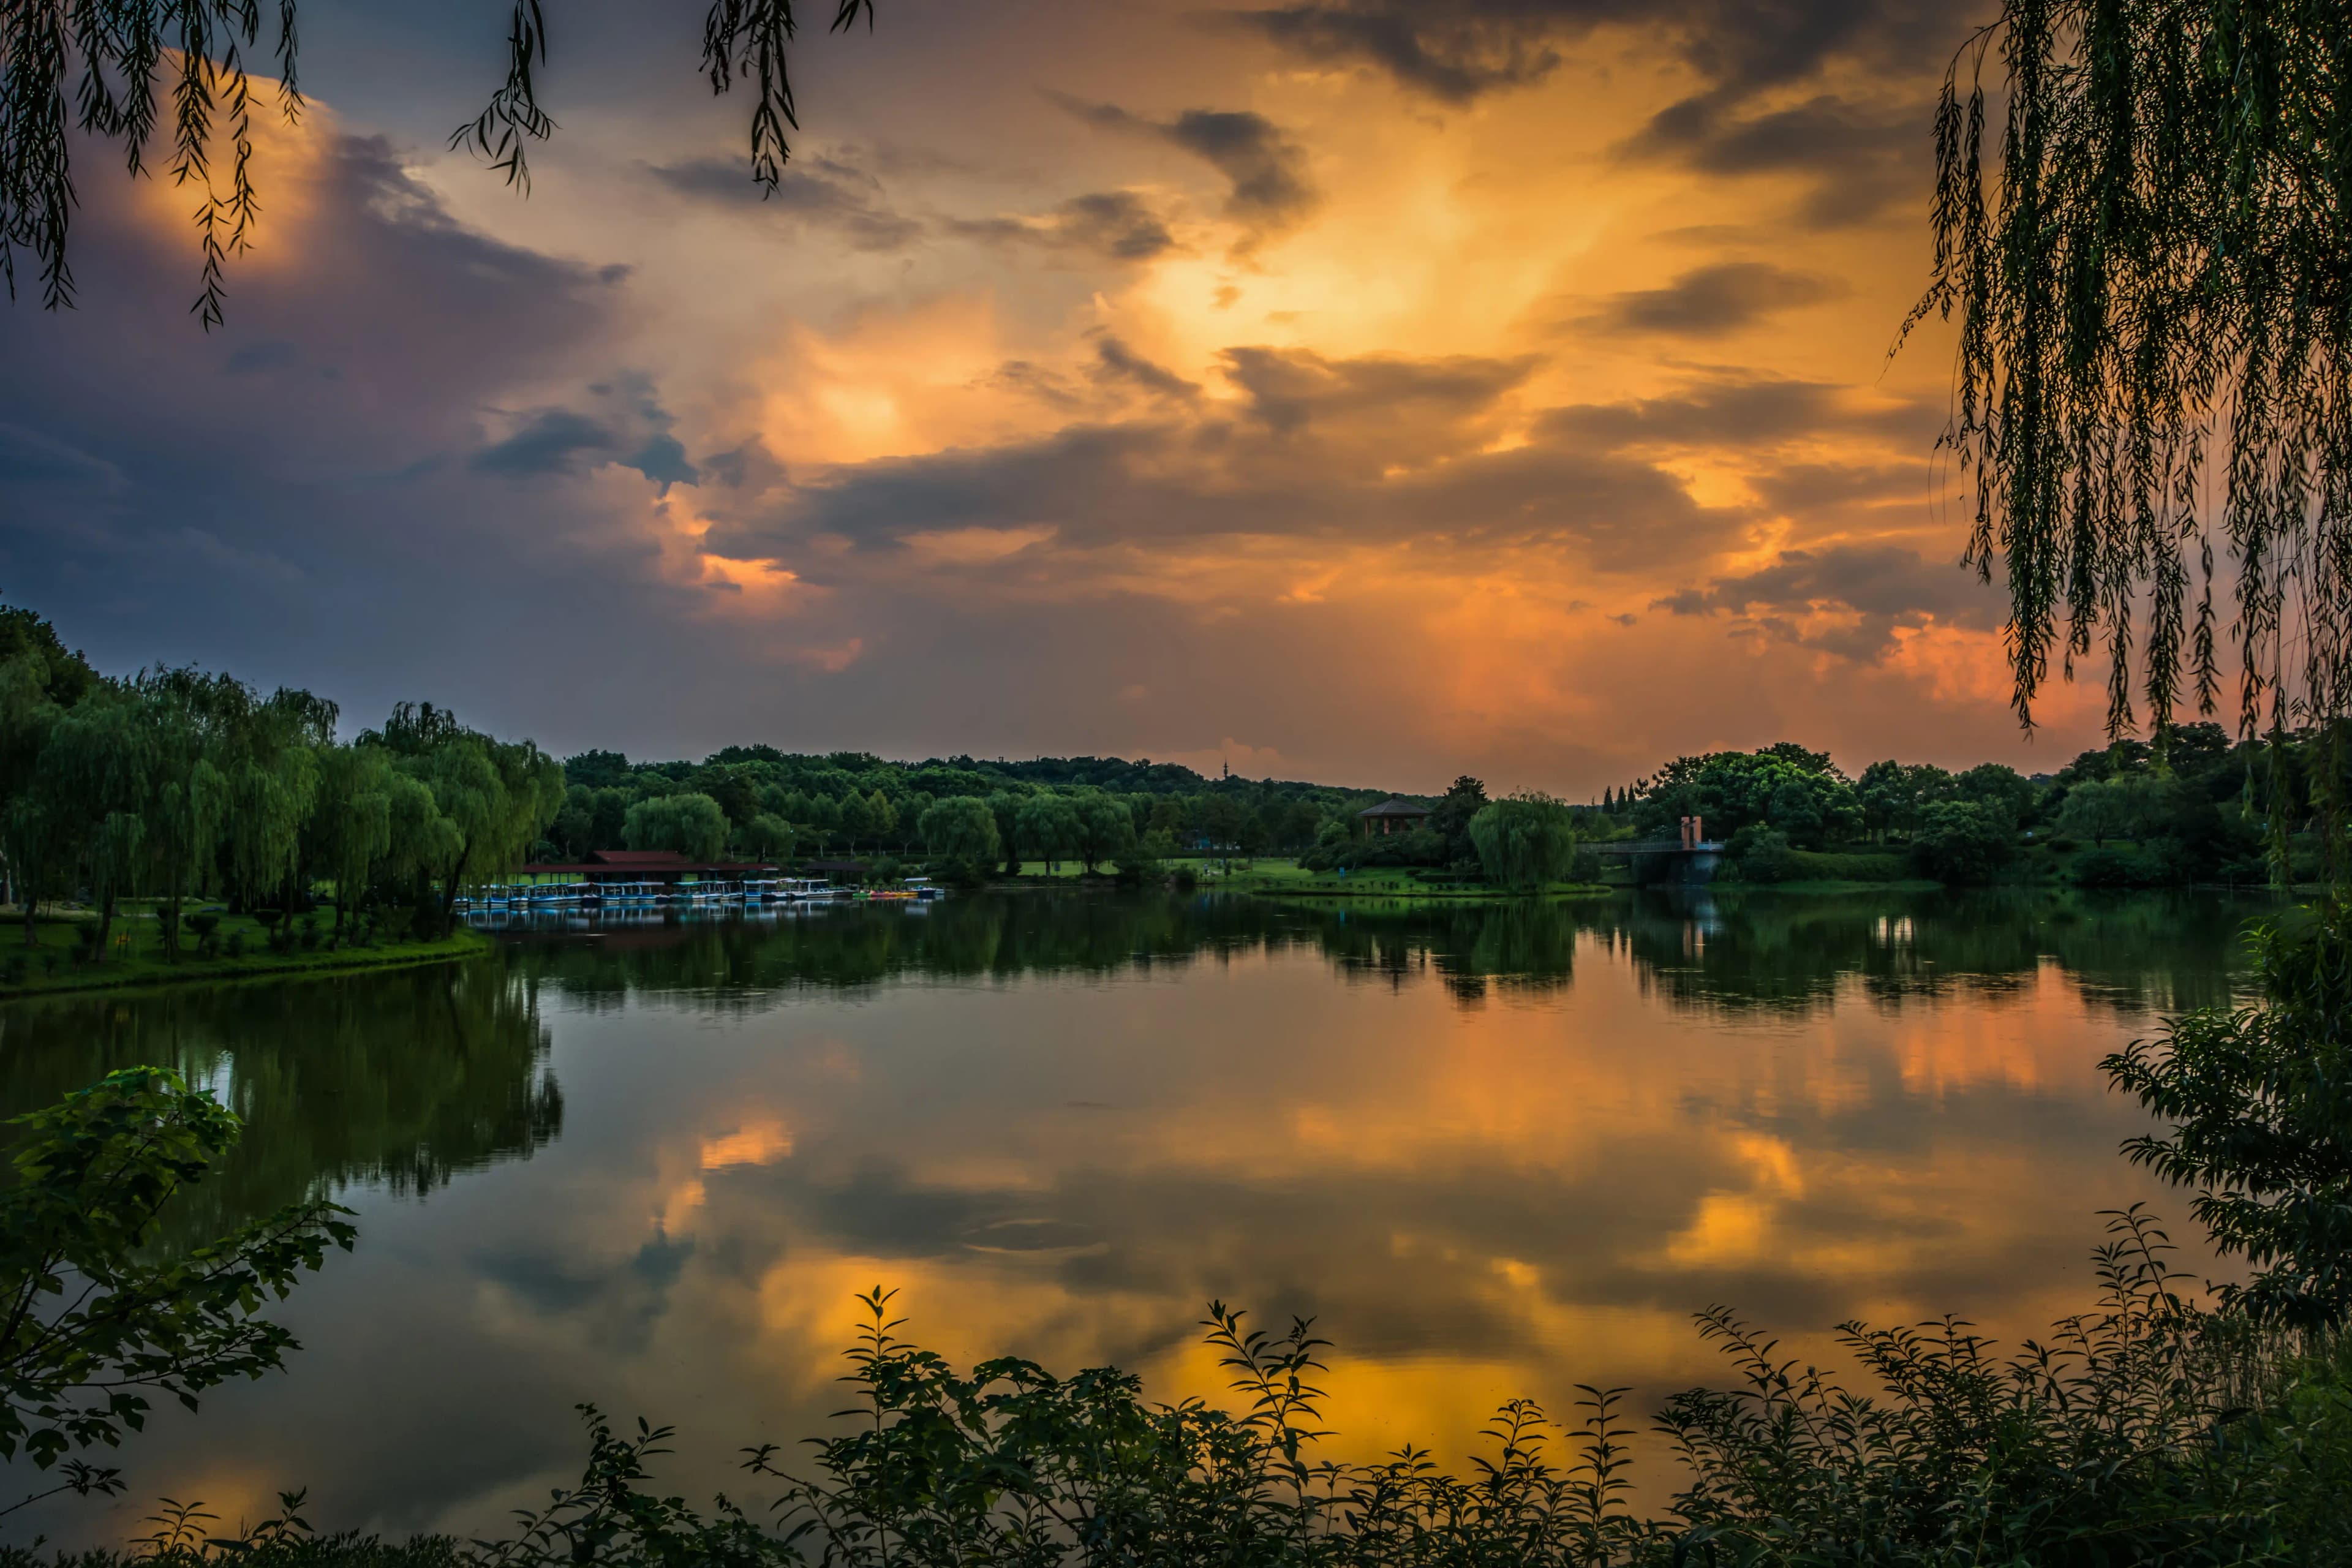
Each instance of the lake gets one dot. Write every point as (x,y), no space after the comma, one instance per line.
(1493,1149)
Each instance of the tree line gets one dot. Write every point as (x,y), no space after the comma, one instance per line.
(2192,806)
(182,786)
(993,817)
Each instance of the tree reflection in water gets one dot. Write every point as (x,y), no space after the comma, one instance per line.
(1735,950)
(405,1079)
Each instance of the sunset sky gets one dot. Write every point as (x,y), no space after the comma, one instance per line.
(1360,390)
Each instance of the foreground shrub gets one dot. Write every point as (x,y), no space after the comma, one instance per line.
(91,1327)
(2144,1431)
(2258,1103)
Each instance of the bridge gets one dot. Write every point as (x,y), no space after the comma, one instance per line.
(1667,859)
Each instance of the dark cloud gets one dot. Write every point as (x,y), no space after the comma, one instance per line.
(1266,170)
(1883,586)
(1116,364)
(1749,413)
(1379,448)
(1814,487)
(630,428)
(1288,389)
(555,441)
(1110,225)
(1270,185)
(1453,53)
(336,532)
(1860,158)
(1460,49)
(1714,301)
(824,193)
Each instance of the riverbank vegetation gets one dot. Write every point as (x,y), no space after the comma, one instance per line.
(230,947)
(181,788)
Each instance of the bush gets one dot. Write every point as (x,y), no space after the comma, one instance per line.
(2125,1440)
(236,944)
(1962,843)
(956,872)
(2257,1105)
(1763,855)
(2113,867)
(202,925)
(1820,866)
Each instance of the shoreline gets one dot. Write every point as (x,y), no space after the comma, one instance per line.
(463,943)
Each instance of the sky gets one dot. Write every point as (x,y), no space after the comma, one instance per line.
(1368,391)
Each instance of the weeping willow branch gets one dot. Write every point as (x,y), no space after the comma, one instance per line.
(2150,287)
(108,71)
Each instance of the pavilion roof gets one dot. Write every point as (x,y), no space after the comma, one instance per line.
(1395,807)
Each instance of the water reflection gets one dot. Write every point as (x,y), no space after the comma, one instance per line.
(402,1081)
(1497,1149)
(1752,950)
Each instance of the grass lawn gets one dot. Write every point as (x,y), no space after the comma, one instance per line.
(135,956)
(1289,878)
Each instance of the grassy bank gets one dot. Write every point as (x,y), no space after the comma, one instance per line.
(1287,879)
(57,960)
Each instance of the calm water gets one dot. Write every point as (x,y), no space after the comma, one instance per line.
(1495,1151)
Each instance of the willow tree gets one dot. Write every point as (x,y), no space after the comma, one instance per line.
(190,717)
(2153,287)
(79,73)
(271,769)
(2151,277)
(473,806)
(95,777)
(349,833)
(1526,841)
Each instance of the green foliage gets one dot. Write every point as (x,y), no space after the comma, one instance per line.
(1817,865)
(1962,843)
(2106,1444)
(2258,1105)
(1048,827)
(465,808)
(692,824)
(770,836)
(1106,827)
(2149,303)
(1451,818)
(1783,787)
(91,1327)
(1526,841)
(2101,810)
(2143,1431)
(1764,855)
(961,828)
(2112,868)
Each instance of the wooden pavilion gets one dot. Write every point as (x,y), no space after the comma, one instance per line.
(1393,815)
